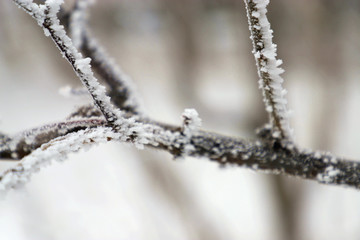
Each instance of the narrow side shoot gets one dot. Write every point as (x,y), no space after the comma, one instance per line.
(121,88)
(269,71)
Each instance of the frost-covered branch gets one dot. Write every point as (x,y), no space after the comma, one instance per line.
(269,154)
(122,90)
(273,151)
(269,71)
(56,149)
(22,144)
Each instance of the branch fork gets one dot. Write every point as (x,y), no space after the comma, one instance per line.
(120,118)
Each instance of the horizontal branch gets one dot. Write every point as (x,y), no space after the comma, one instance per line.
(21,145)
(268,154)
(56,149)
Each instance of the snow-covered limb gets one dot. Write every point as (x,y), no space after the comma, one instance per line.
(269,154)
(269,71)
(122,89)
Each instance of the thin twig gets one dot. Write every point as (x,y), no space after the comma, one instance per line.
(21,145)
(122,90)
(85,111)
(269,72)
(47,19)
(56,149)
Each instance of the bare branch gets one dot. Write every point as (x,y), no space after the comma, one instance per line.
(269,72)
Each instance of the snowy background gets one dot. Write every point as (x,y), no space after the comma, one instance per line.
(185,54)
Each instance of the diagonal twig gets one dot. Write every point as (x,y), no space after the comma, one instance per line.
(47,19)
(122,90)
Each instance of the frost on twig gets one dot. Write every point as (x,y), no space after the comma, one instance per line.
(269,71)
(85,111)
(46,16)
(78,19)
(22,144)
(122,90)
(191,121)
(190,126)
(40,150)
(4,145)
(57,149)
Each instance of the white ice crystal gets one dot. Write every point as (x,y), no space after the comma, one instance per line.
(328,175)
(191,121)
(191,124)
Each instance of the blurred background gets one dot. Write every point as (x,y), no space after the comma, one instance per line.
(187,54)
